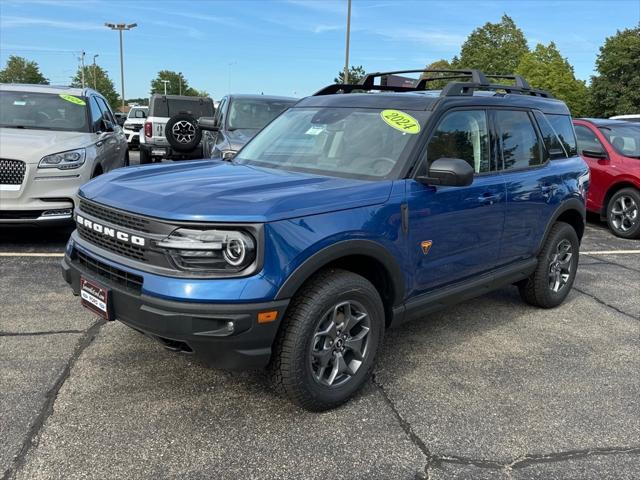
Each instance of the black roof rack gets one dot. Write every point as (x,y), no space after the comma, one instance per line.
(475,80)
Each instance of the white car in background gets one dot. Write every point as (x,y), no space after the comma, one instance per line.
(52,140)
(134,123)
(634,117)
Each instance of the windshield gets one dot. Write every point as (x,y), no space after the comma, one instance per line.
(137,113)
(625,139)
(43,111)
(254,114)
(347,142)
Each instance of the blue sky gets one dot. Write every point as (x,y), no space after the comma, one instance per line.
(285,47)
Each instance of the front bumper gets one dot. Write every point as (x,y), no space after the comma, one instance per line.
(199,328)
(133,138)
(45,196)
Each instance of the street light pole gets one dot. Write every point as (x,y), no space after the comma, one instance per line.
(165,86)
(180,82)
(121,27)
(82,67)
(95,85)
(346,57)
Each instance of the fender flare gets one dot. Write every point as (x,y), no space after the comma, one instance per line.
(367,248)
(570,204)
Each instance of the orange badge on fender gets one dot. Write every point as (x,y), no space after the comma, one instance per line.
(426,246)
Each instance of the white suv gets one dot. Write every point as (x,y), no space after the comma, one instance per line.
(134,123)
(52,140)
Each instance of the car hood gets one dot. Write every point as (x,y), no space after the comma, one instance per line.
(31,145)
(214,191)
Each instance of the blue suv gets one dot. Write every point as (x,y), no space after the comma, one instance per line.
(359,208)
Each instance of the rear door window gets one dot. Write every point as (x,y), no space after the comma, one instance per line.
(563,126)
(552,143)
(520,145)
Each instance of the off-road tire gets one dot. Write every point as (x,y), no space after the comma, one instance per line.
(290,369)
(145,156)
(536,289)
(189,134)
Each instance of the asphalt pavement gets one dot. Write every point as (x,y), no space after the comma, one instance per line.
(491,388)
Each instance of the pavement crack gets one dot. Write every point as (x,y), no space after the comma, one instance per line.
(608,305)
(608,262)
(48,332)
(35,429)
(406,427)
(528,459)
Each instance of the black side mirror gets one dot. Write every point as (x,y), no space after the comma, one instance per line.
(595,152)
(107,126)
(208,123)
(451,172)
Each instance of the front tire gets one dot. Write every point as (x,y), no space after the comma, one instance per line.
(553,278)
(328,341)
(623,213)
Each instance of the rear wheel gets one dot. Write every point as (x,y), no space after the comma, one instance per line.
(328,341)
(553,278)
(145,157)
(623,213)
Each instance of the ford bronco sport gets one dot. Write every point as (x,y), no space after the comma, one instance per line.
(361,207)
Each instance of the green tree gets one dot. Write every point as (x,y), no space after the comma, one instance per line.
(177,85)
(98,79)
(545,68)
(493,48)
(616,88)
(356,74)
(21,70)
(437,65)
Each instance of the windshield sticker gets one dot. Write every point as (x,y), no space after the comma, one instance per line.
(314,131)
(19,103)
(400,121)
(72,99)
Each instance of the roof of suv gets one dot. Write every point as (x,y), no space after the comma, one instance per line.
(428,100)
(465,87)
(53,89)
(255,96)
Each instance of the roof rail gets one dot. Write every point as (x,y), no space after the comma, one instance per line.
(476,80)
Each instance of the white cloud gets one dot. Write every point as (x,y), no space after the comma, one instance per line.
(18,22)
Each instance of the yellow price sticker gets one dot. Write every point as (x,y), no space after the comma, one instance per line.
(72,99)
(400,121)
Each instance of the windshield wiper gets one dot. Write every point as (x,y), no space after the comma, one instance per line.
(25,127)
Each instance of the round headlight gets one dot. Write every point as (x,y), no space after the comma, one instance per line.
(235,252)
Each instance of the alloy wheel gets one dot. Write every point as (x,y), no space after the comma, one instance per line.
(183,131)
(624,213)
(560,266)
(340,344)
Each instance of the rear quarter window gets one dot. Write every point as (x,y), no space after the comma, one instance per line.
(564,128)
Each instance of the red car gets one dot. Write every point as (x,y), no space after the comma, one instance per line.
(611,148)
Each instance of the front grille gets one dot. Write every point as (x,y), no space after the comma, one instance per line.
(107,272)
(111,244)
(12,172)
(115,216)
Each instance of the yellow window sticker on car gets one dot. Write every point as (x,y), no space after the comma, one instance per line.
(400,121)
(72,99)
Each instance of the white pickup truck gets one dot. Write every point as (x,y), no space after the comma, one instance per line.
(177,114)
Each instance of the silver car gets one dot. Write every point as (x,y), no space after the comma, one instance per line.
(52,140)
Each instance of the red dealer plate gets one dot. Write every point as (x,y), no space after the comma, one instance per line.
(95,297)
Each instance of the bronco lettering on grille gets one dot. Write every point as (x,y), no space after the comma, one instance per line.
(110,232)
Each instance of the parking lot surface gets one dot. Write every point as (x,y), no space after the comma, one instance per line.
(492,388)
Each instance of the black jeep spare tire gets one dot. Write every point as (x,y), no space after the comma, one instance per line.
(182,132)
